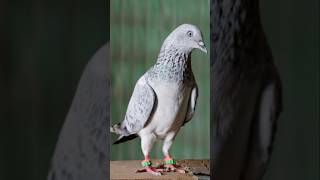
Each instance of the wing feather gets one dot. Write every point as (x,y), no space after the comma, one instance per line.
(140,107)
(192,104)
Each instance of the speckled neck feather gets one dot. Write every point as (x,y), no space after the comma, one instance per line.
(173,65)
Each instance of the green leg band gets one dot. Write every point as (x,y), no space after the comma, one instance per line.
(170,161)
(146,163)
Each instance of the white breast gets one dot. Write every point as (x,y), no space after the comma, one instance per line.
(171,109)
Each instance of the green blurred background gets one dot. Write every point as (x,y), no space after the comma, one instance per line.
(136,35)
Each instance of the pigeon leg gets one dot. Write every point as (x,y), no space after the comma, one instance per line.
(169,163)
(146,146)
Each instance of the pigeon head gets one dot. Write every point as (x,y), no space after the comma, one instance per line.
(185,37)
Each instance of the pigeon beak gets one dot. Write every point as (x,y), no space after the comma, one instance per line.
(202,47)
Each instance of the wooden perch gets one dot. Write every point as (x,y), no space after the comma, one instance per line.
(121,170)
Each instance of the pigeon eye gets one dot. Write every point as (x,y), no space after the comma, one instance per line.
(189,33)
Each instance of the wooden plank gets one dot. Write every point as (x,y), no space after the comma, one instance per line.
(121,170)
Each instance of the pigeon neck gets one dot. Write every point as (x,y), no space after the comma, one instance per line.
(240,34)
(173,65)
(174,56)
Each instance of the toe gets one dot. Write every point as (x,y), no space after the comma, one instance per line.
(153,171)
(181,171)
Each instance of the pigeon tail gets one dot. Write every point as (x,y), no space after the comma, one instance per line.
(123,138)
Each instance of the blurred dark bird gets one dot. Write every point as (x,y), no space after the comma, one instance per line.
(246,91)
(82,149)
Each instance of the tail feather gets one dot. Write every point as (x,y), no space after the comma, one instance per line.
(123,138)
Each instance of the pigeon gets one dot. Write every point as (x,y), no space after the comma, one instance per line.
(246,92)
(164,98)
(81,152)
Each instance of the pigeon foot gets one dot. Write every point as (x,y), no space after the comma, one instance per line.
(151,170)
(147,167)
(174,168)
(171,166)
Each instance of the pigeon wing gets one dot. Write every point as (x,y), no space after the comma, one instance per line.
(263,131)
(192,104)
(140,107)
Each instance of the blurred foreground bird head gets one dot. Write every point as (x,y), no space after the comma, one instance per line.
(187,37)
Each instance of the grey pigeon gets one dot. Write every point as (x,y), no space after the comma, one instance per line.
(82,149)
(246,92)
(164,98)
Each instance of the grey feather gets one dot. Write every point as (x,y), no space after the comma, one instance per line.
(139,109)
(246,92)
(192,104)
(82,149)
(263,132)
